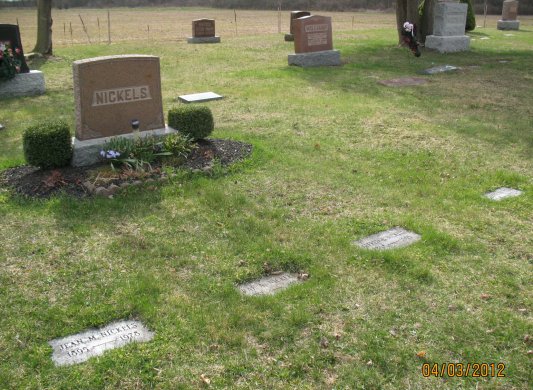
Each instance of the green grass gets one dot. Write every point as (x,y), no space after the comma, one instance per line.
(337,156)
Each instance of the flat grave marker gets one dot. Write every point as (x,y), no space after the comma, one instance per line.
(94,342)
(403,82)
(200,97)
(396,237)
(269,285)
(503,193)
(440,69)
(1,126)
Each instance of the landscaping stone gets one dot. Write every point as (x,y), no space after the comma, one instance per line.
(403,82)
(396,237)
(94,342)
(269,285)
(503,193)
(200,97)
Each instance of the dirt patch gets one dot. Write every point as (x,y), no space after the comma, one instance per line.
(85,181)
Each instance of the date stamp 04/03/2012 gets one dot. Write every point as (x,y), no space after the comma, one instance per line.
(474,370)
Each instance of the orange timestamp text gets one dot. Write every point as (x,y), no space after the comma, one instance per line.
(474,370)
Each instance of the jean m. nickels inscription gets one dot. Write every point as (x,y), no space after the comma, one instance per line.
(390,239)
(121,95)
(269,285)
(82,346)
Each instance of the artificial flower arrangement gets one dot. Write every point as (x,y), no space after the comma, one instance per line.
(10,61)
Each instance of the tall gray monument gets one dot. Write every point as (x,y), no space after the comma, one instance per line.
(449,28)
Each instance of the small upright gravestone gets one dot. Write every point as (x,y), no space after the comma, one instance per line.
(449,28)
(109,93)
(203,31)
(295,15)
(509,15)
(25,82)
(313,42)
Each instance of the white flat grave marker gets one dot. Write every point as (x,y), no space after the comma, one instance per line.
(509,35)
(484,38)
(502,193)
(396,237)
(403,82)
(94,342)
(1,126)
(269,285)
(200,97)
(440,69)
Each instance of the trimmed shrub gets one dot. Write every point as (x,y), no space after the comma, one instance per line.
(195,121)
(470,16)
(47,145)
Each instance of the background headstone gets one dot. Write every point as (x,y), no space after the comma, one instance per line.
(294,15)
(509,15)
(10,33)
(82,346)
(111,91)
(449,28)
(203,31)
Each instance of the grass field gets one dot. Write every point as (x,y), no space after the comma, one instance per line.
(337,157)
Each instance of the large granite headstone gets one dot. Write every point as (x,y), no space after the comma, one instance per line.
(509,15)
(94,342)
(295,15)
(449,28)
(203,31)
(313,42)
(110,92)
(26,82)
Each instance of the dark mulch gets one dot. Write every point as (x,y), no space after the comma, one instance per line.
(36,183)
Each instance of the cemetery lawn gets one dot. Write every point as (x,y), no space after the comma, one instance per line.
(336,157)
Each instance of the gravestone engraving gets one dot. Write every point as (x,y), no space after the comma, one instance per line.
(396,237)
(440,69)
(10,34)
(503,193)
(203,31)
(449,23)
(269,285)
(200,97)
(111,91)
(403,82)
(313,42)
(94,342)
(294,15)
(509,15)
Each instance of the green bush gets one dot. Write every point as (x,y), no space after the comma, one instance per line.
(47,145)
(194,121)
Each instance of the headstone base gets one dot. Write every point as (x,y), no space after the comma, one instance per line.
(317,58)
(23,84)
(289,38)
(203,39)
(87,152)
(449,44)
(508,24)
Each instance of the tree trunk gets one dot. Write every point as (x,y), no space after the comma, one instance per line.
(406,10)
(44,27)
(426,22)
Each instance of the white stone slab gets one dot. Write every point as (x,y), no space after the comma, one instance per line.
(502,193)
(396,237)
(440,69)
(200,97)
(94,342)
(269,285)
